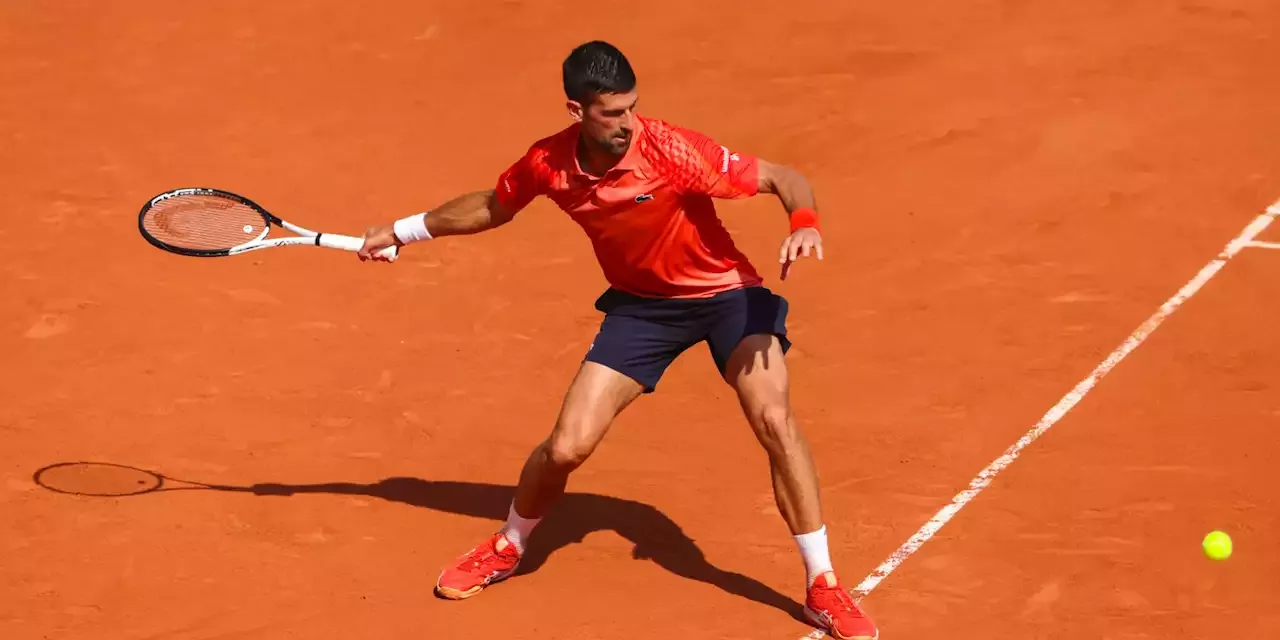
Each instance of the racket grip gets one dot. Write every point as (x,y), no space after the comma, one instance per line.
(350,243)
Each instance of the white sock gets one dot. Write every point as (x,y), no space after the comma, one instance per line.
(518,528)
(817,558)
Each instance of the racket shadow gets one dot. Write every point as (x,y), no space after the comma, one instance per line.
(656,537)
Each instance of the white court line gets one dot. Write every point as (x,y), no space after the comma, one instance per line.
(984,477)
(1264,245)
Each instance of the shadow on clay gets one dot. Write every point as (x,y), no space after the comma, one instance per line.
(655,536)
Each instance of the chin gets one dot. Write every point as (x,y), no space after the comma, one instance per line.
(620,149)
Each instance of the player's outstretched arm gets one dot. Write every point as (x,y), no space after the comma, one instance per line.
(796,194)
(464,215)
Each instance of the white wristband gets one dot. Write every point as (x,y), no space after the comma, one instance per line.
(412,228)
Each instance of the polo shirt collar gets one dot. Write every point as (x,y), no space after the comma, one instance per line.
(630,160)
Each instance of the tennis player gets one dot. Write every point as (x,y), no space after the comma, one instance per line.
(642,190)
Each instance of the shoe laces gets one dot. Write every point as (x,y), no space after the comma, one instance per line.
(841,600)
(484,556)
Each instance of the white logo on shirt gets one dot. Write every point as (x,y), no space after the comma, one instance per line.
(725,158)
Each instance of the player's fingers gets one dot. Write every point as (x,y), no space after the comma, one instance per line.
(373,251)
(785,250)
(795,250)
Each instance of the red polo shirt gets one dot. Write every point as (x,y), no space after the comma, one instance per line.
(650,219)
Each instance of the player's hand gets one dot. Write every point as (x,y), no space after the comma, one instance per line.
(376,239)
(801,244)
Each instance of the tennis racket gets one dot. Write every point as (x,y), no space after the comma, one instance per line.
(206,222)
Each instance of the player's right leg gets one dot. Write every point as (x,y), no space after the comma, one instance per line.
(628,357)
(596,396)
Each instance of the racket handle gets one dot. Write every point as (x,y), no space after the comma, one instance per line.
(350,243)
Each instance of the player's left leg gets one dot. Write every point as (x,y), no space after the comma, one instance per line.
(749,345)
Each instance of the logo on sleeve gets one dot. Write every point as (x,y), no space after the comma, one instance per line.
(644,197)
(726,157)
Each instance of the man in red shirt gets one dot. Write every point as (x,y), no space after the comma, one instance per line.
(642,191)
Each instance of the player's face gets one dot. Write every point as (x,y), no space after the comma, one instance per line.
(608,121)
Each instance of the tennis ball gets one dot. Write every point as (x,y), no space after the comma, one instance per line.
(1217,545)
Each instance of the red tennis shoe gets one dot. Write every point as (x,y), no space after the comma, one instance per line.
(830,607)
(494,560)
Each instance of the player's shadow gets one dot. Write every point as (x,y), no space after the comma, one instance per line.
(655,536)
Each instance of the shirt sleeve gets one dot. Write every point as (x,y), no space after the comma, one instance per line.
(695,163)
(521,182)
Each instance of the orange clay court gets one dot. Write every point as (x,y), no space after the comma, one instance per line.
(1010,190)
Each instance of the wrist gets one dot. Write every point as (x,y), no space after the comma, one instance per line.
(411,229)
(804,218)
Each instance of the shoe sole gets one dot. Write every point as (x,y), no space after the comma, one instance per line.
(449,593)
(817,619)
(455,594)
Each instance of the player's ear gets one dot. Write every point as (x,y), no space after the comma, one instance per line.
(575,110)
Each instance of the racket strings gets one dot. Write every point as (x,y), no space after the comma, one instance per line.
(204,222)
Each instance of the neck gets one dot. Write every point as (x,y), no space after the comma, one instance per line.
(593,160)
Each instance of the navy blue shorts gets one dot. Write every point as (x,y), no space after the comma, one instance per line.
(641,337)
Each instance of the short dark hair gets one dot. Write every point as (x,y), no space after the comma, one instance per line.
(596,67)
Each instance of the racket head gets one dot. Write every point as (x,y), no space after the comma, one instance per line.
(202,221)
(98,479)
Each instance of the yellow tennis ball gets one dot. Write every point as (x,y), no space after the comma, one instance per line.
(1217,545)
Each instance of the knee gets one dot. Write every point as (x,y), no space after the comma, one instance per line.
(566,453)
(775,427)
